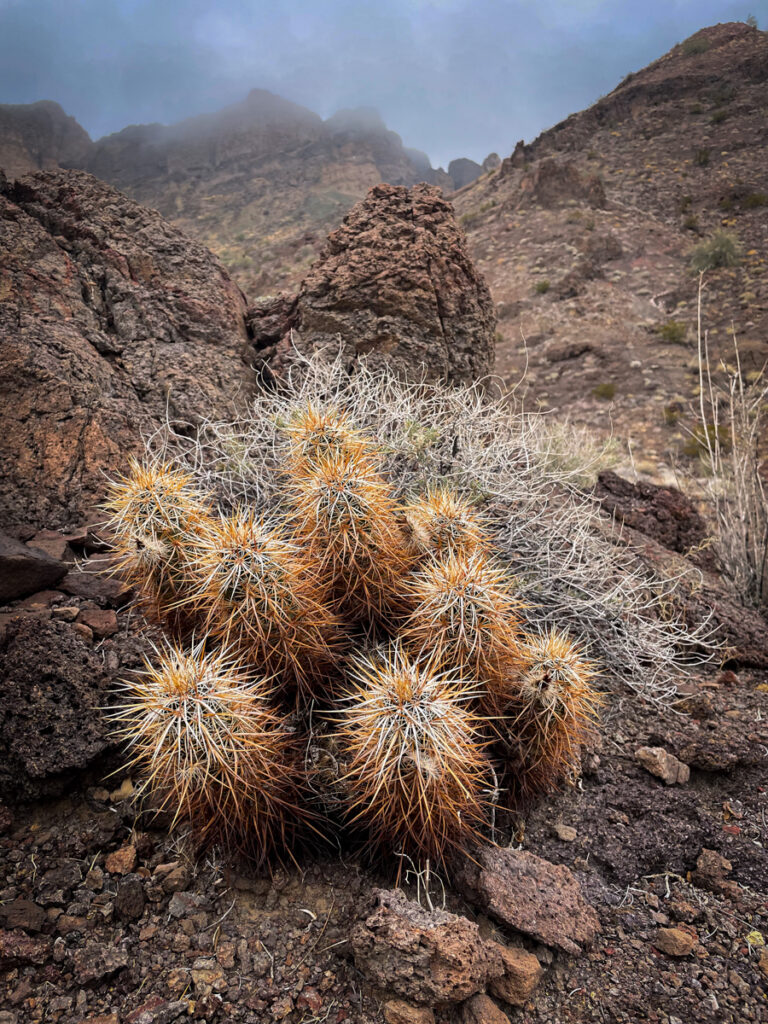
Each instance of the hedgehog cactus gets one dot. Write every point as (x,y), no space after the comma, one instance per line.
(416,770)
(155,513)
(257,590)
(212,747)
(547,711)
(408,739)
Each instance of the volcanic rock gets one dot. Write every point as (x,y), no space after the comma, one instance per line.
(532,896)
(112,321)
(51,693)
(394,284)
(664,765)
(426,958)
(25,570)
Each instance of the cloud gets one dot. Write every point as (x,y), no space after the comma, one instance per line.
(454,77)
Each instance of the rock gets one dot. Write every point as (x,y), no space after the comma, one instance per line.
(23,914)
(553,182)
(394,283)
(96,961)
(102,622)
(463,171)
(158,1011)
(110,319)
(711,869)
(663,513)
(522,973)
(531,895)
(661,763)
(423,957)
(51,696)
(18,948)
(24,570)
(566,833)
(129,898)
(52,543)
(398,1012)
(183,903)
(122,861)
(674,941)
(89,582)
(481,1009)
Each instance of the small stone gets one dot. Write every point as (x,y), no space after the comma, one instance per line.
(101,621)
(130,899)
(661,763)
(674,941)
(522,973)
(53,544)
(281,1008)
(125,792)
(762,962)
(122,861)
(18,948)
(310,999)
(565,832)
(91,583)
(23,914)
(94,880)
(398,1012)
(83,631)
(66,613)
(97,961)
(25,570)
(481,1009)
(176,880)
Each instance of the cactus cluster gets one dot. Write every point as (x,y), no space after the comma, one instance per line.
(384,628)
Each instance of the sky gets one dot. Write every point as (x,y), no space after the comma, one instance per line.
(452,77)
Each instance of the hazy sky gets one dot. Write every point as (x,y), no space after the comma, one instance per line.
(453,77)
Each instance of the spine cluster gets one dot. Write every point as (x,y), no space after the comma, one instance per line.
(389,625)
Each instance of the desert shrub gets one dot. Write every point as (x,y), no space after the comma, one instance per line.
(721,249)
(691,222)
(729,439)
(542,287)
(701,159)
(754,201)
(407,581)
(685,203)
(673,331)
(606,390)
(695,45)
(719,116)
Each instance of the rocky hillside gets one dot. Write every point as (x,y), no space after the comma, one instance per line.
(585,239)
(38,137)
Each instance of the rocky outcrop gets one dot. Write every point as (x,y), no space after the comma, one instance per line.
(23,570)
(553,182)
(111,320)
(464,171)
(39,137)
(394,283)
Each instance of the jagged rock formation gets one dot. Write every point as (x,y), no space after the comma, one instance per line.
(676,151)
(464,171)
(38,137)
(111,319)
(393,283)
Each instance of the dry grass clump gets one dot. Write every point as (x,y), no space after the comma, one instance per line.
(392,559)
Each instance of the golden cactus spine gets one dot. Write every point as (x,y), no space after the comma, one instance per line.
(211,747)
(441,522)
(546,711)
(257,590)
(344,514)
(415,768)
(155,514)
(463,611)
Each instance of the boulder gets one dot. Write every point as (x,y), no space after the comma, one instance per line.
(531,895)
(112,321)
(427,958)
(395,284)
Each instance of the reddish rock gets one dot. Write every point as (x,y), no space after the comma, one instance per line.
(24,570)
(110,319)
(394,283)
(398,1012)
(481,1009)
(122,861)
(423,957)
(102,622)
(90,581)
(664,765)
(53,544)
(18,948)
(23,914)
(532,896)
(674,941)
(96,961)
(522,973)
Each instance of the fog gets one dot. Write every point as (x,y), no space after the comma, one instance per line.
(453,77)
